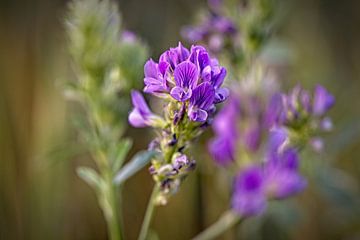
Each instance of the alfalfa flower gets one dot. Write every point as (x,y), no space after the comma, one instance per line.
(276,178)
(190,83)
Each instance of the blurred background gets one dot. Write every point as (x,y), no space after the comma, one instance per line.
(42,198)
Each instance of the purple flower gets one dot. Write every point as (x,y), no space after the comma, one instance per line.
(141,115)
(128,37)
(186,76)
(278,178)
(323,101)
(281,167)
(215,30)
(180,73)
(282,177)
(201,101)
(155,77)
(248,197)
(222,149)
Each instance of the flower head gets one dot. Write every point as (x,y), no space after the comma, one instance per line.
(214,30)
(190,83)
(187,76)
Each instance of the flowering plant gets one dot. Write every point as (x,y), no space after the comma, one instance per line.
(258,134)
(190,83)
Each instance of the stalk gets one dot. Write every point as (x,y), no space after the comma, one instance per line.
(111,210)
(148,214)
(226,221)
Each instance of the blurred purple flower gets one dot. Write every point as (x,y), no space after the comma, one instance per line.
(222,147)
(248,197)
(323,101)
(281,175)
(128,36)
(214,30)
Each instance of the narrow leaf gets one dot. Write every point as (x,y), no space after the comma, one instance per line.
(90,177)
(121,151)
(137,163)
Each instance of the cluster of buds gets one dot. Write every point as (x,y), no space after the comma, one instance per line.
(263,133)
(190,84)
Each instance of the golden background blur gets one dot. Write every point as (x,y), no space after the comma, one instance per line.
(40,195)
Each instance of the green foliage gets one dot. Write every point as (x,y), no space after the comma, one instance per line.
(107,66)
(140,160)
(93,28)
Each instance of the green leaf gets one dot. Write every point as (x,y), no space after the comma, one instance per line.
(90,176)
(120,153)
(137,163)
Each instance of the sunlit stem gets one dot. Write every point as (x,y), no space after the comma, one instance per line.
(148,214)
(112,216)
(225,222)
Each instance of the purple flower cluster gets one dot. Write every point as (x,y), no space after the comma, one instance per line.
(277,178)
(281,126)
(299,105)
(239,126)
(302,112)
(190,83)
(215,31)
(190,77)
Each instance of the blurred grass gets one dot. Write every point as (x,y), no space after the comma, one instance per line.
(40,195)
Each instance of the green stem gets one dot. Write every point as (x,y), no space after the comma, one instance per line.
(113,220)
(226,221)
(149,213)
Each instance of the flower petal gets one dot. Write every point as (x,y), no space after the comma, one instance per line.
(203,96)
(221,95)
(197,115)
(150,69)
(180,94)
(186,75)
(218,79)
(136,119)
(139,103)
